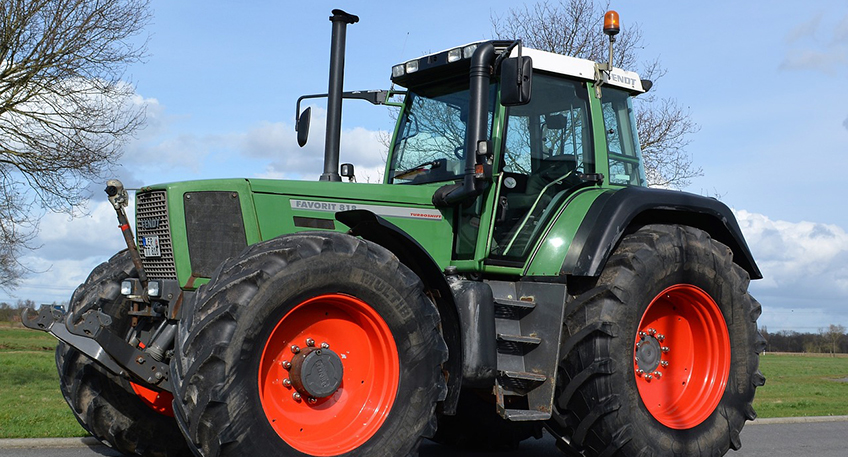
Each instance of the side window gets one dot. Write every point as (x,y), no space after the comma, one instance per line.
(553,125)
(625,162)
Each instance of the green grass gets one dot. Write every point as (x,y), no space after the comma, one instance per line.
(803,385)
(31,404)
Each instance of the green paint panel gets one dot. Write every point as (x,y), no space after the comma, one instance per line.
(550,252)
(176,213)
(270,206)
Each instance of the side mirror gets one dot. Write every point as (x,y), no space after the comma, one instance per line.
(302,126)
(516,80)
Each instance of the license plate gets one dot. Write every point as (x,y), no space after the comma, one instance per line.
(150,245)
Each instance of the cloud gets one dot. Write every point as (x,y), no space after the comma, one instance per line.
(840,33)
(806,29)
(810,50)
(805,269)
(276,142)
(827,61)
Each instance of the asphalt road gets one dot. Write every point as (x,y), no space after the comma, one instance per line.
(768,438)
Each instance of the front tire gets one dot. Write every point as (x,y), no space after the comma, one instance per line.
(132,419)
(241,387)
(660,357)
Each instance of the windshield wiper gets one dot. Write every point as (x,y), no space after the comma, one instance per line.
(408,173)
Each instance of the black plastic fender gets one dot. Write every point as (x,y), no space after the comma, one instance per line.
(374,228)
(614,214)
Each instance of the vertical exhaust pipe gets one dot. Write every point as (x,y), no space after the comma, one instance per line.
(340,20)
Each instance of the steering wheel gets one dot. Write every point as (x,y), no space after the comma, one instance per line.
(458,152)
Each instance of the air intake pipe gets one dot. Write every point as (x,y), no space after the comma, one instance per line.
(480,76)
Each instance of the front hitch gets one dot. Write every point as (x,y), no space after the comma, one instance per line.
(51,319)
(93,337)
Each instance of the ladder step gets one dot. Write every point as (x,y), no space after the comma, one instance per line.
(520,339)
(517,344)
(520,382)
(515,303)
(525,415)
(524,375)
(506,308)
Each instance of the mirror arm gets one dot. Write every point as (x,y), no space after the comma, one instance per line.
(375,97)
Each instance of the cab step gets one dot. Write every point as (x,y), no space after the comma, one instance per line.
(528,327)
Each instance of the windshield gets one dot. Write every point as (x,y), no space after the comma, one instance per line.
(430,141)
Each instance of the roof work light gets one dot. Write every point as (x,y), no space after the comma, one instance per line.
(611,23)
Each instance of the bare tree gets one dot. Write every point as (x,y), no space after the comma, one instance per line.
(832,335)
(65,111)
(573,27)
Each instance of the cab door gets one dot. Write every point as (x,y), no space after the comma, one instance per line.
(546,147)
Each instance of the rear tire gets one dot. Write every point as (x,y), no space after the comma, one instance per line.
(106,405)
(377,386)
(671,304)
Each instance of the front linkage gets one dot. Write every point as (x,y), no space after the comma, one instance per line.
(87,328)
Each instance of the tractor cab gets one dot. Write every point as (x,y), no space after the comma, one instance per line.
(539,151)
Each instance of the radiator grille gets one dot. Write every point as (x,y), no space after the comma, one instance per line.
(151,216)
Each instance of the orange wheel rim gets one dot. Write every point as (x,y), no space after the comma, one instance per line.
(357,374)
(161,402)
(681,357)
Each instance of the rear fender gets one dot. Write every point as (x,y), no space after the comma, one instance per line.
(616,214)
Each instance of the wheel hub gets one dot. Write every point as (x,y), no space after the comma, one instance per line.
(316,372)
(648,354)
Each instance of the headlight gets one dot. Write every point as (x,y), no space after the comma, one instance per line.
(412,66)
(153,289)
(454,55)
(126,287)
(397,70)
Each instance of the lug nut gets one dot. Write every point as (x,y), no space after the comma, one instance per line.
(310,342)
(657,374)
(660,337)
(295,349)
(286,364)
(325,346)
(287,382)
(664,364)
(648,377)
(640,372)
(652,331)
(642,335)
(665,348)
(296,396)
(312,400)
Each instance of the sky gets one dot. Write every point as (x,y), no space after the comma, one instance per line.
(765,81)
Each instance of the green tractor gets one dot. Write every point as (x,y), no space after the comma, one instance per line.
(512,273)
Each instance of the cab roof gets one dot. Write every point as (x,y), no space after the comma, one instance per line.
(433,68)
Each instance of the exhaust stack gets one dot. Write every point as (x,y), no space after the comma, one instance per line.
(340,20)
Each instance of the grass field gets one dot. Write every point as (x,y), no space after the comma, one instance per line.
(803,385)
(31,404)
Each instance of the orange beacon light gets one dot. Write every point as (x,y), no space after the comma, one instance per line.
(611,23)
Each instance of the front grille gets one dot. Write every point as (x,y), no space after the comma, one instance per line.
(151,219)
